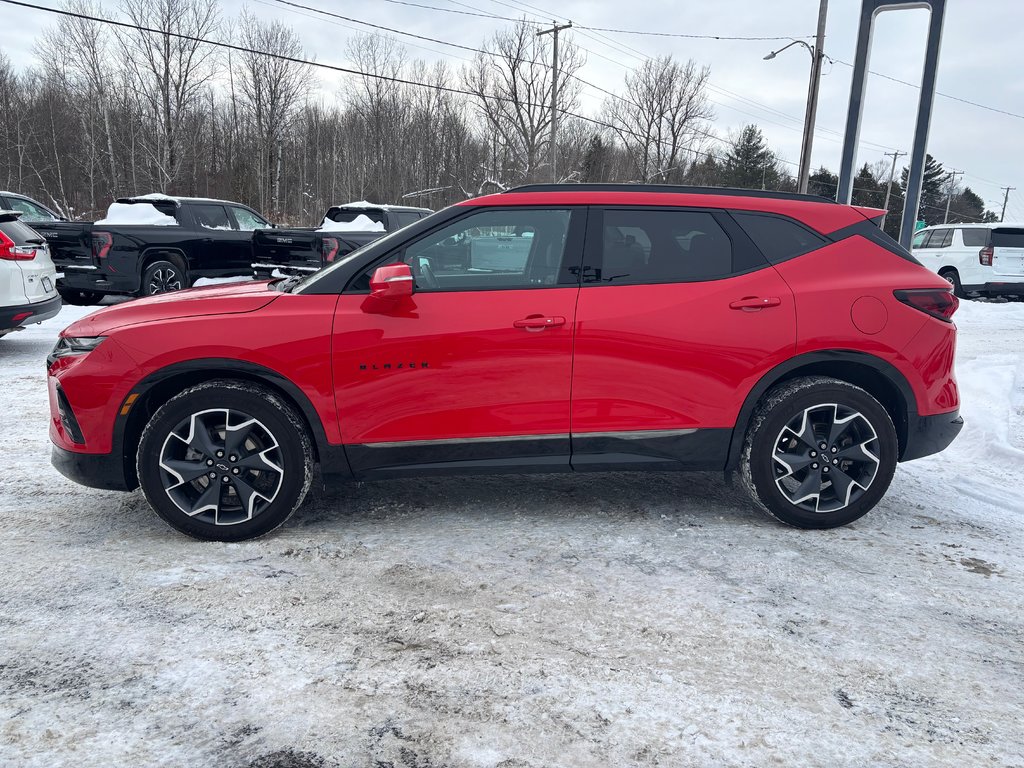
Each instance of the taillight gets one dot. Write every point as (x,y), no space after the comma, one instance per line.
(329,249)
(101,242)
(11,252)
(932,301)
(985,256)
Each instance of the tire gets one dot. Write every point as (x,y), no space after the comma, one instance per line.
(785,475)
(80,298)
(247,497)
(952,277)
(162,276)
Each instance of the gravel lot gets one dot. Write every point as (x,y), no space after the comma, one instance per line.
(599,620)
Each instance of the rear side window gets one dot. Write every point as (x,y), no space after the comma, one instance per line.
(660,246)
(406,218)
(21,234)
(976,238)
(349,215)
(1006,237)
(778,238)
(211,216)
(939,238)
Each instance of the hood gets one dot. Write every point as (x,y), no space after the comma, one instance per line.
(230,299)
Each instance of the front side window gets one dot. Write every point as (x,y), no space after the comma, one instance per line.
(919,238)
(211,216)
(31,211)
(659,246)
(247,220)
(505,248)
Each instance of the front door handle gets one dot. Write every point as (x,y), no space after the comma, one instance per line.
(754,303)
(538,322)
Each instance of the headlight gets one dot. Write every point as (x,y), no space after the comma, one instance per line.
(73,345)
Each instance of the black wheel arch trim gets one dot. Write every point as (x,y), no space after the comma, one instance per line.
(158,252)
(332,458)
(904,422)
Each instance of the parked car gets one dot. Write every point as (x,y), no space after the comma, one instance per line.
(28,292)
(984,259)
(32,211)
(152,244)
(647,328)
(299,251)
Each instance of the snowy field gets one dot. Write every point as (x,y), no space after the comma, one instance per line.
(600,620)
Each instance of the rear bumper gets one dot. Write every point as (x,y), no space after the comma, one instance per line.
(23,314)
(930,434)
(997,289)
(94,470)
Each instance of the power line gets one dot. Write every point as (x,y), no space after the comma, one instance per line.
(331,67)
(939,93)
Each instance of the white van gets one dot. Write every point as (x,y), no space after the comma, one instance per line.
(987,259)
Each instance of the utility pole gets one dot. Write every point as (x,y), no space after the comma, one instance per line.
(892,175)
(553,149)
(817,55)
(949,196)
(1006,197)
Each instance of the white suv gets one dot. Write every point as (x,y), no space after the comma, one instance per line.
(987,259)
(28,291)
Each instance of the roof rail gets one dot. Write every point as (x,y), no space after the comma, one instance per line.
(672,189)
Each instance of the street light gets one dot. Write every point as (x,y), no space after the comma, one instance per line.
(817,54)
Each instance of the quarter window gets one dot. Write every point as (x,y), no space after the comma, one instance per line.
(975,238)
(660,246)
(778,238)
(507,248)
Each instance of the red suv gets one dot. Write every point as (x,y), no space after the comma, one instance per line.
(546,329)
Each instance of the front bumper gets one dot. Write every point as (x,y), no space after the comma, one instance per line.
(930,434)
(28,313)
(94,470)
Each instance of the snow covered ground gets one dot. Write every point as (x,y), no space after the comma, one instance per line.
(600,620)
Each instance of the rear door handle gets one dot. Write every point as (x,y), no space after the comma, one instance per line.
(754,303)
(538,322)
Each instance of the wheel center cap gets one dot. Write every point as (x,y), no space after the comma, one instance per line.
(222,467)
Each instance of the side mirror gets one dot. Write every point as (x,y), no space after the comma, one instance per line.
(392,281)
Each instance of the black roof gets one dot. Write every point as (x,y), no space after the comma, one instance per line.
(725,191)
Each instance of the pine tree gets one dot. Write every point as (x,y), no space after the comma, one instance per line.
(867,190)
(824,183)
(749,163)
(933,190)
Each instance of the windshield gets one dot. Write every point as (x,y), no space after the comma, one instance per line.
(312,279)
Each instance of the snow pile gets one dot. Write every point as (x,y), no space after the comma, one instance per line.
(583,620)
(360,223)
(136,214)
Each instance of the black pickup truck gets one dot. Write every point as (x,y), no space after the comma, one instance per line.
(152,244)
(345,228)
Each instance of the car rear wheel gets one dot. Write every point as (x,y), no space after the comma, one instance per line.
(80,298)
(819,453)
(952,277)
(162,277)
(225,461)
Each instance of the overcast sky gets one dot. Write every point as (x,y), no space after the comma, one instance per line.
(982,55)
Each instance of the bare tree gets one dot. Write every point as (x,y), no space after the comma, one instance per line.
(511,83)
(272,89)
(168,72)
(664,114)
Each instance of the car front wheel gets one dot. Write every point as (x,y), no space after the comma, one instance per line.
(225,461)
(819,453)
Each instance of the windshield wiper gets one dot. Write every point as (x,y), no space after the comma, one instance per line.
(286,284)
